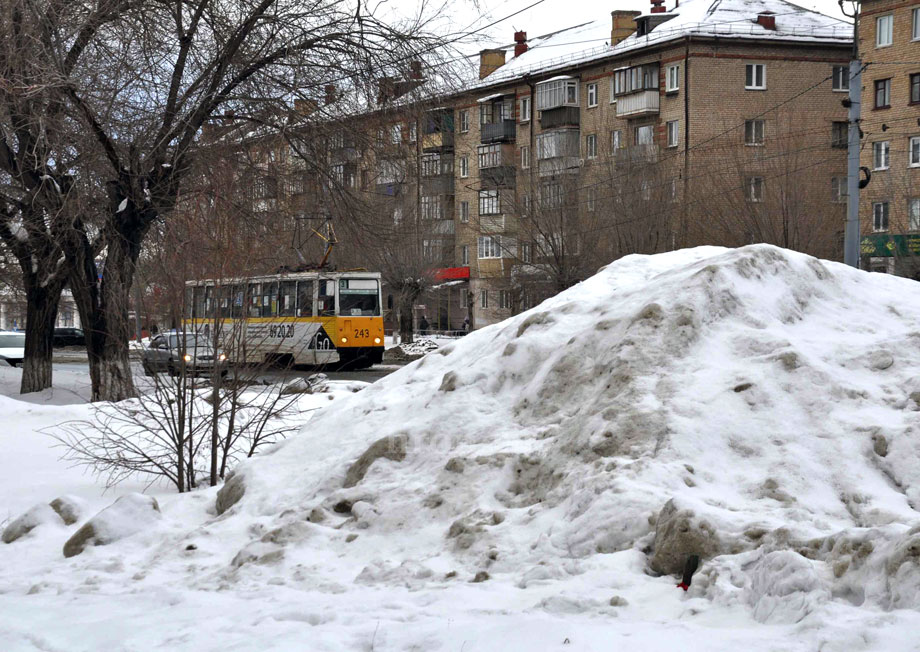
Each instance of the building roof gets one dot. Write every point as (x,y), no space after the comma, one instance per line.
(736,19)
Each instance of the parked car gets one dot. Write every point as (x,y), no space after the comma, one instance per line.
(68,337)
(178,352)
(12,347)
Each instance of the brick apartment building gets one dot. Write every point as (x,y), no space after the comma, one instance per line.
(709,123)
(889,46)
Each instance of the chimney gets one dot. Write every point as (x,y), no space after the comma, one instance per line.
(624,24)
(520,43)
(415,69)
(490,61)
(329,94)
(658,7)
(767,20)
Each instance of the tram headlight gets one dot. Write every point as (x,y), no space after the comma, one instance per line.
(376,340)
(344,340)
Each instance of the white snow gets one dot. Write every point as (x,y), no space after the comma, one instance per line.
(773,394)
(122,206)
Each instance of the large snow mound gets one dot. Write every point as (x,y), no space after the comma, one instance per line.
(773,396)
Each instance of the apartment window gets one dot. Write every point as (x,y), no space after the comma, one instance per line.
(524,109)
(616,140)
(431,207)
(880,216)
(551,196)
(613,90)
(489,203)
(673,79)
(645,135)
(592,95)
(673,132)
(881,152)
(558,143)
(882,93)
(490,156)
(525,157)
(464,166)
(465,296)
(489,247)
(883,28)
(483,298)
(464,211)
(556,93)
(504,299)
(637,78)
(396,134)
(526,252)
(839,190)
(591,201)
(755,189)
(525,202)
(839,134)
(915,89)
(674,194)
(413,132)
(913,151)
(591,145)
(753,132)
(840,78)
(913,214)
(755,76)
(915,25)
(464,256)
(464,120)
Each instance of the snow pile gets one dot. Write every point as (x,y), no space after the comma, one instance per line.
(525,485)
(754,387)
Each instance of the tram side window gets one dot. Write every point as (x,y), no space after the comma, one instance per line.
(189,308)
(270,299)
(326,298)
(237,304)
(288,297)
(199,303)
(255,300)
(208,302)
(305,299)
(224,294)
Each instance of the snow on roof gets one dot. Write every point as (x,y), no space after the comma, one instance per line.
(722,18)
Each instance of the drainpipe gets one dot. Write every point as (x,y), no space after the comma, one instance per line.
(684,208)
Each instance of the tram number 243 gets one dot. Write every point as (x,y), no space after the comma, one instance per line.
(362,332)
(281,330)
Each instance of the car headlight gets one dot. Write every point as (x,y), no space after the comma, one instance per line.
(221,357)
(187,357)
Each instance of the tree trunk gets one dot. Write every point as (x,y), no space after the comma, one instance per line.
(41,315)
(405,319)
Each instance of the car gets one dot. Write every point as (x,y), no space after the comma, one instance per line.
(68,337)
(176,353)
(12,347)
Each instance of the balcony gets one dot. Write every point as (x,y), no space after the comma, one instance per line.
(491,223)
(441,184)
(438,141)
(503,131)
(442,227)
(497,165)
(563,116)
(637,155)
(638,104)
(559,165)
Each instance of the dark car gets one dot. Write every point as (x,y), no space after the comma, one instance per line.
(68,337)
(175,352)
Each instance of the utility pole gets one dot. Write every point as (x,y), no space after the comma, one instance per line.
(851,234)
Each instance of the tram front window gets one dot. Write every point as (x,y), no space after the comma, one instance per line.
(359,297)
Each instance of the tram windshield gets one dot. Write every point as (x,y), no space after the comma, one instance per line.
(359,297)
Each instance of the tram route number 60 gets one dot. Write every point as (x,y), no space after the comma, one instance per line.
(281,330)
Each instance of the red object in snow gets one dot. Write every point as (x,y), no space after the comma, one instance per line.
(683,586)
(452,273)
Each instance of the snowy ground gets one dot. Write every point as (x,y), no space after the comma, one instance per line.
(772,397)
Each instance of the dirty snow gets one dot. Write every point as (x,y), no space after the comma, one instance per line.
(771,395)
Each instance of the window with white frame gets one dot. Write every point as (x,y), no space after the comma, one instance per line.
(591,200)
(483,298)
(673,78)
(915,24)
(913,214)
(884,26)
(555,93)
(840,78)
(613,89)
(592,94)
(396,134)
(489,203)
(490,156)
(464,257)
(557,144)
(880,216)
(525,203)
(839,190)
(525,157)
(465,296)
(591,146)
(881,152)
(489,246)
(524,109)
(755,76)
(840,133)
(432,208)
(463,119)
(616,140)
(526,252)
(551,195)
(673,127)
(753,132)
(504,299)
(464,211)
(755,186)
(413,132)
(913,151)
(464,166)
(637,78)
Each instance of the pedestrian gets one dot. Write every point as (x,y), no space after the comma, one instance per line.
(423,325)
(466,325)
